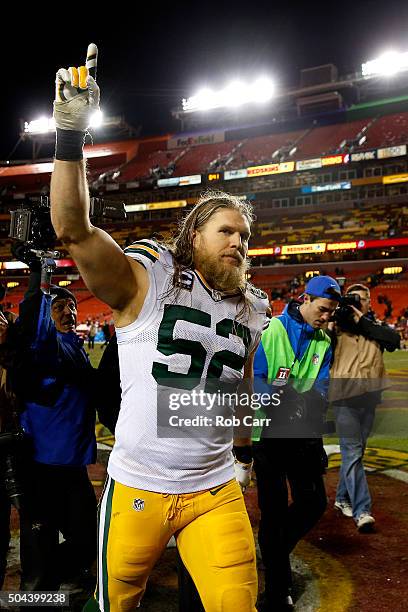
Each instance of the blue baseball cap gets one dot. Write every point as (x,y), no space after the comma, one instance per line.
(324,287)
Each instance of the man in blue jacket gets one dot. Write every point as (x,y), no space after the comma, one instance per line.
(293,359)
(55,382)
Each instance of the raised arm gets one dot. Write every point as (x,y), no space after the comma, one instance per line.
(108,273)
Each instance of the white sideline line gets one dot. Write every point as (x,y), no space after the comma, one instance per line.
(397,475)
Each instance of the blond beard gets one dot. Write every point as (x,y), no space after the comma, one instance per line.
(222,277)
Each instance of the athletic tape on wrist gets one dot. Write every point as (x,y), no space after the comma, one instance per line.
(243,454)
(69,145)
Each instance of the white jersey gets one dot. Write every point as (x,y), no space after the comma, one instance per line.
(190,334)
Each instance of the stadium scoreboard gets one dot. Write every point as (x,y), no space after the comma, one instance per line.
(215,177)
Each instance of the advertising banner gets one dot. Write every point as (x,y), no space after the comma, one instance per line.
(309,164)
(169,204)
(363,156)
(155,205)
(194,179)
(395,178)
(229,175)
(367,180)
(288,166)
(321,247)
(263,170)
(271,169)
(14,265)
(373,244)
(265,251)
(294,249)
(392,152)
(333,160)
(168,182)
(193,140)
(341,246)
(135,207)
(327,187)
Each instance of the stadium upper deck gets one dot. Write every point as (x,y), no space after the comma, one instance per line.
(321,193)
(152,159)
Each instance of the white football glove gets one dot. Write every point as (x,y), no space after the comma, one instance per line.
(77,94)
(243,472)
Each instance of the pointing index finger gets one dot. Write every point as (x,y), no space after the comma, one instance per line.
(92,59)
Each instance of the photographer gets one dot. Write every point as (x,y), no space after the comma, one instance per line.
(293,359)
(54,383)
(357,379)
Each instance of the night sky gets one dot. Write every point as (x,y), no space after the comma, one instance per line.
(153,54)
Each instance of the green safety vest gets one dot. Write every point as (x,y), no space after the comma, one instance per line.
(280,354)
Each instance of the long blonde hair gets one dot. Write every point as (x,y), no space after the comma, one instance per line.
(181,246)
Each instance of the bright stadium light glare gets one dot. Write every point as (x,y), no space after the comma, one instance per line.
(96,119)
(204,99)
(40,126)
(263,90)
(235,94)
(43,125)
(387,64)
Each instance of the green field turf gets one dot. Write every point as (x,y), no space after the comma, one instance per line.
(391,425)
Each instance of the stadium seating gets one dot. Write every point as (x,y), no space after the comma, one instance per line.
(260,150)
(142,166)
(396,292)
(387,131)
(197,159)
(326,140)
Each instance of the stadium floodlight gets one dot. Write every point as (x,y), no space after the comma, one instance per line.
(387,64)
(44,125)
(40,126)
(96,119)
(263,90)
(234,94)
(204,99)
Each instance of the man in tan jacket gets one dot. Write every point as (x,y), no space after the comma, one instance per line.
(357,378)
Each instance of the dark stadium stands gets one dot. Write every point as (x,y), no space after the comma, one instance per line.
(261,149)
(142,166)
(150,157)
(396,292)
(366,222)
(388,131)
(326,140)
(205,158)
(88,305)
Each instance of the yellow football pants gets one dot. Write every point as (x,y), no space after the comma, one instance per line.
(213,534)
